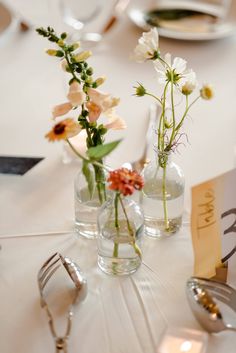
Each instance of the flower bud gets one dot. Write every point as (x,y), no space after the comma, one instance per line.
(99,81)
(84,55)
(63,35)
(206,92)
(75,45)
(188,88)
(60,42)
(140,90)
(51,52)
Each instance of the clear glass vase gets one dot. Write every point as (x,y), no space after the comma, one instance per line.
(162,197)
(120,226)
(87,205)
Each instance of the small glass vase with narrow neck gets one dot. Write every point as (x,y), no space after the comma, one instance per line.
(162,197)
(120,224)
(88,203)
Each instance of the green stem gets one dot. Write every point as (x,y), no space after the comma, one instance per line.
(90,140)
(100,182)
(164,198)
(87,160)
(70,68)
(153,96)
(161,127)
(75,151)
(116,244)
(164,63)
(184,115)
(173,111)
(186,112)
(131,231)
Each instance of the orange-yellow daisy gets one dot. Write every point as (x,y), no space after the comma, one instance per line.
(63,130)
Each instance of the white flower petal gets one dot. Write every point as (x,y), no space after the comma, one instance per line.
(147,45)
(179,65)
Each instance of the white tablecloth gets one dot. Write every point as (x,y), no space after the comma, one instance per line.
(119,314)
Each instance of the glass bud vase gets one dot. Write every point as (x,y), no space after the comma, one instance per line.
(162,197)
(120,229)
(87,205)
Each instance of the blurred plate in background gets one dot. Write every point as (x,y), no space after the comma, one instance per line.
(186,22)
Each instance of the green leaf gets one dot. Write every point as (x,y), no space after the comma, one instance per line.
(100,151)
(89,177)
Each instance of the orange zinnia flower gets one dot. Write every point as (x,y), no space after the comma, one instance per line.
(63,130)
(125,181)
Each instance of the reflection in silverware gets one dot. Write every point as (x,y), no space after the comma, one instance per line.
(200,294)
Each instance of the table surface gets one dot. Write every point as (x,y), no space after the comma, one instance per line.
(119,314)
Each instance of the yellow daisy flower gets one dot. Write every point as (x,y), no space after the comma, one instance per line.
(63,130)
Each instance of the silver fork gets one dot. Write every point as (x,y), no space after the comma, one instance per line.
(45,273)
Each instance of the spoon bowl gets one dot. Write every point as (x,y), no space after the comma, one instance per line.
(76,275)
(204,307)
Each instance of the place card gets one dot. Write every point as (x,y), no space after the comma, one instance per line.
(181,340)
(213,226)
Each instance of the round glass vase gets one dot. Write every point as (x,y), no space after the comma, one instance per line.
(120,229)
(162,197)
(87,204)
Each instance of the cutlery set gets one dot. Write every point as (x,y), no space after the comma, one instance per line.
(45,273)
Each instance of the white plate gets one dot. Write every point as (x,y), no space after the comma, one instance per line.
(187,29)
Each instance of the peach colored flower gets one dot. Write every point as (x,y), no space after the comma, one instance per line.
(94,111)
(63,130)
(125,181)
(76,95)
(116,123)
(64,65)
(79,142)
(61,109)
(104,100)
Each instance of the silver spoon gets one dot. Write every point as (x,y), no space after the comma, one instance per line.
(76,275)
(203,305)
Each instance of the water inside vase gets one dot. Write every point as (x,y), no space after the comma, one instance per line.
(152,203)
(127,261)
(86,211)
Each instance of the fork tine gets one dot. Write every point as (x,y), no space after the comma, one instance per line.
(46,279)
(45,264)
(46,271)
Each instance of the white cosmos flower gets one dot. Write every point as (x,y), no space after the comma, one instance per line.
(179,69)
(188,83)
(147,46)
